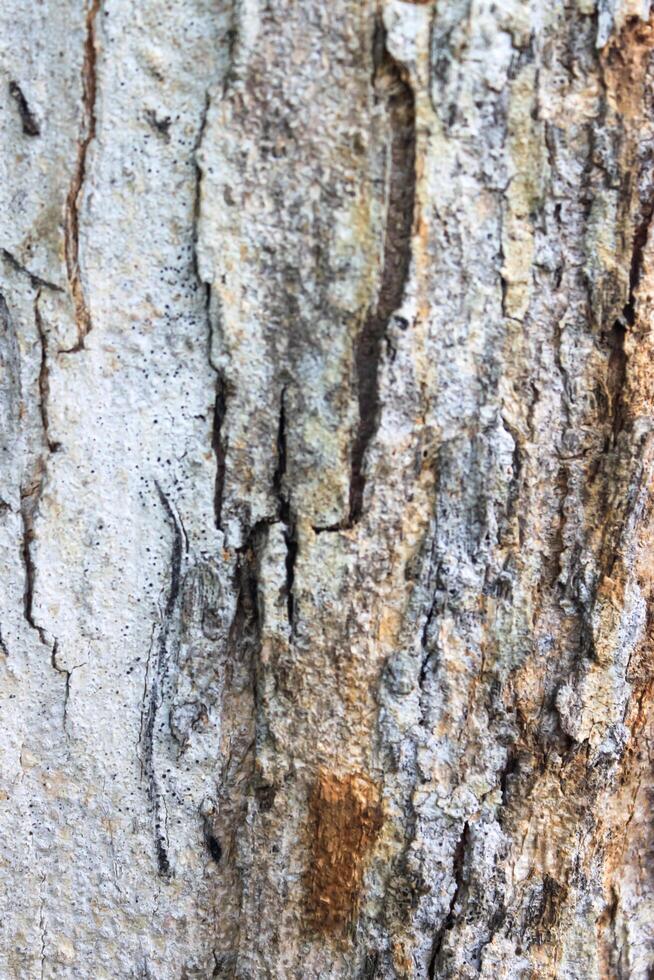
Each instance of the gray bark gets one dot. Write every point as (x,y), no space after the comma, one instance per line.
(325,489)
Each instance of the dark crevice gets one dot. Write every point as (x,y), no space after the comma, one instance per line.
(220,402)
(510,769)
(71,225)
(329,528)
(616,374)
(28,119)
(156,672)
(161,126)
(458,863)
(615,339)
(31,493)
(176,557)
(284,509)
(219,450)
(28,504)
(391,86)
(215,849)
(32,481)
(35,280)
(68,675)
(44,378)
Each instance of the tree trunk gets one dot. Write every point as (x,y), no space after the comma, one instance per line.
(326,470)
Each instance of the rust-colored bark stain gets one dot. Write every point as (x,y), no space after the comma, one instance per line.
(345,817)
(624,63)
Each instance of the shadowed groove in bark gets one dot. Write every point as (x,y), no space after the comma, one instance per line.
(44,377)
(28,503)
(617,367)
(71,225)
(220,401)
(32,483)
(31,495)
(28,119)
(219,450)
(285,509)
(458,863)
(155,678)
(35,280)
(391,84)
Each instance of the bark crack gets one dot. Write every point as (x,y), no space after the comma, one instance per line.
(458,864)
(68,674)
(617,367)
(219,450)
(71,222)
(28,119)
(28,503)
(284,510)
(391,85)
(42,928)
(219,408)
(155,679)
(30,495)
(36,281)
(44,378)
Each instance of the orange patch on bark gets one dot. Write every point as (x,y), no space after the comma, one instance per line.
(624,60)
(345,817)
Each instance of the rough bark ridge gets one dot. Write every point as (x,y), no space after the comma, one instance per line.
(326,489)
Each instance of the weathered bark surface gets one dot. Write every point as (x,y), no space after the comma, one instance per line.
(326,466)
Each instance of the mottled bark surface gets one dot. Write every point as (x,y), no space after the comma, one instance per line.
(326,462)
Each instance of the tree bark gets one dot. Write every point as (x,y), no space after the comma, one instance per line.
(326,472)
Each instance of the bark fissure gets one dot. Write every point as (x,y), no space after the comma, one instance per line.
(284,509)
(42,929)
(458,866)
(157,669)
(28,504)
(68,675)
(617,367)
(33,489)
(44,378)
(391,84)
(36,281)
(28,119)
(219,450)
(71,224)
(220,404)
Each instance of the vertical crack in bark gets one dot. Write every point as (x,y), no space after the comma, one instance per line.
(27,508)
(44,378)
(31,494)
(68,675)
(156,671)
(391,84)
(458,864)
(217,443)
(28,119)
(617,367)
(240,713)
(219,450)
(510,769)
(42,928)
(71,222)
(285,514)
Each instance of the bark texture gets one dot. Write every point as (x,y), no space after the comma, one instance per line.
(326,474)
